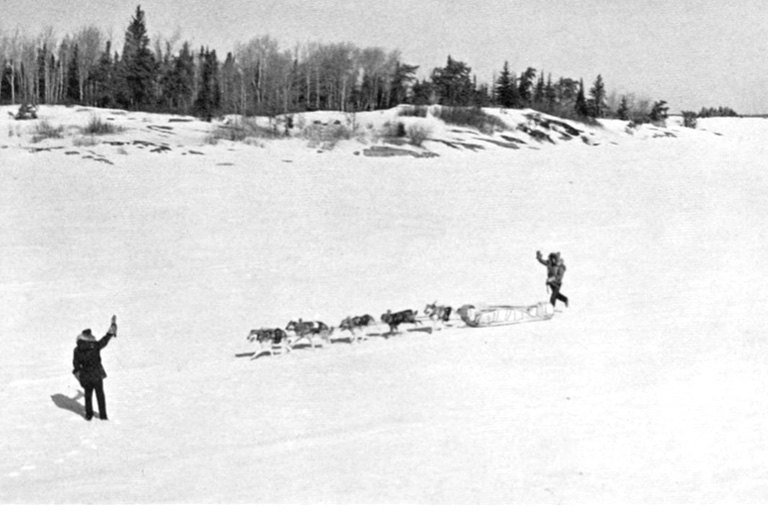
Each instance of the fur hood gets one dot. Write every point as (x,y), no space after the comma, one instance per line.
(86,340)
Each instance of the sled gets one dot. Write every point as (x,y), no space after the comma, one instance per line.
(501,315)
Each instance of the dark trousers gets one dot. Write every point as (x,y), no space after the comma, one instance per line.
(89,387)
(557,295)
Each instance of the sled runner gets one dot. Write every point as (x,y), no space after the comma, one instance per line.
(500,315)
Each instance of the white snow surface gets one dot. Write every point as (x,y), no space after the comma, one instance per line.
(650,388)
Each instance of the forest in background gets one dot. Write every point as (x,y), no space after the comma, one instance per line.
(261,78)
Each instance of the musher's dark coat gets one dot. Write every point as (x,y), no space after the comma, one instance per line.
(87,358)
(555,268)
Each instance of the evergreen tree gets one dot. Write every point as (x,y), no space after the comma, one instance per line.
(525,86)
(208,93)
(453,84)
(164,77)
(506,90)
(538,92)
(138,67)
(581,107)
(4,90)
(567,90)
(298,98)
(230,85)
(42,75)
(403,78)
(597,95)
(482,94)
(623,111)
(72,93)
(550,95)
(101,80)
(183,84)
(423,93)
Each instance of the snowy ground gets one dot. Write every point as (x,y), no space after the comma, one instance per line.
(651,388)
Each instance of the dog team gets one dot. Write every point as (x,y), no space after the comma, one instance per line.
(317,333)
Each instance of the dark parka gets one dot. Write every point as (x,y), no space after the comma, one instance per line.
(555,268)
(87,358)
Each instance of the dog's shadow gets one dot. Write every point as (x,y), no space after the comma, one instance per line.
(70,403)
(387,335)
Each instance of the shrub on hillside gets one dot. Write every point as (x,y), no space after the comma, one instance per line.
(242,129)
(44,130)
(96,126)
(326,136)
(393,130)
(418,133)
(659,112)
(689,119)
(413,111)
(569,113)
(471,117)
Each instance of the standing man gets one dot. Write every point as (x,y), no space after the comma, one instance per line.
(555,271)
(88,369)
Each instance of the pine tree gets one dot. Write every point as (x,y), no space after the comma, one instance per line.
(525,86)
(164,84)
(101,80)
(506,91)
(566,90)
(538,91)
(209,92)
(482,94)
(72,93)
(402,79)
(138,67)
(184,78)
(230,85)
(597,95)
(453,84)
(423,92)
(42,75)
(623,111)
(581,107)
(550,95)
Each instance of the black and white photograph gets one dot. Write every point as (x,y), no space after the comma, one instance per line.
(383,252)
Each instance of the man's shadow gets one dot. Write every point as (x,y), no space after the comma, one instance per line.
(70,403)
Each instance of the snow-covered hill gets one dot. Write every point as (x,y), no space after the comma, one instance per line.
(650,388)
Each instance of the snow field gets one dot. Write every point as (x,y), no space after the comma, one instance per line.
(648,389)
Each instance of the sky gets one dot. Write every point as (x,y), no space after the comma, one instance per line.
(691,53)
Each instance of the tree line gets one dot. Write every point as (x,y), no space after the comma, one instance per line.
(260,78)
(721,111)
(257,78)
